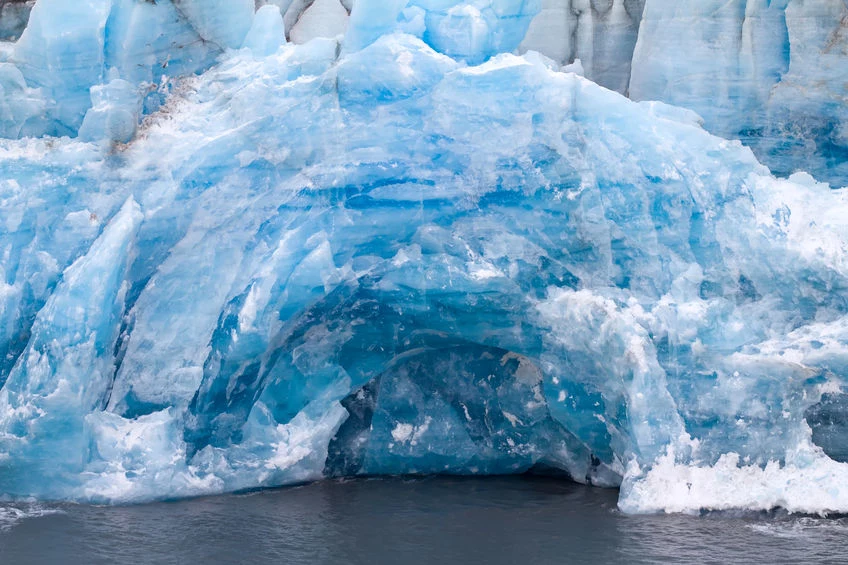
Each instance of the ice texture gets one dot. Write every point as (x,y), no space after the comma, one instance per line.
(601,34)
(222,22)
(114,114)
(324,18)
(20,105)
(258,262)
(771,73)
(268,32)
(14,15)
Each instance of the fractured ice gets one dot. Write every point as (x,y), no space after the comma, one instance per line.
(387,244)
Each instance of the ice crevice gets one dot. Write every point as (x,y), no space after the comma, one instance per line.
(243,249)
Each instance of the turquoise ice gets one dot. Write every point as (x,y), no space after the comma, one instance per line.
(253,262)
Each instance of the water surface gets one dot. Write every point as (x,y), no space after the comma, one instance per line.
(401,521)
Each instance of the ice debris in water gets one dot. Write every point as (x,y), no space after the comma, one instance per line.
(403,250)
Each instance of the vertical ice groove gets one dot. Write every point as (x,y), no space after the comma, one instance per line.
(601,34)
(769,73)
(324,18)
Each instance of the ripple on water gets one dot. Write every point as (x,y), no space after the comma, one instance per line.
(12,514)
(803,527)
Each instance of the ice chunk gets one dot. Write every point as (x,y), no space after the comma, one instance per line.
(19,104)
(388,71)
(812,484)
(268,33)
(475,31)
(128,458)
(463,32)
(386,259)
(114,115)
(147,41)
(324,18)
(587,331)
(62,52)
(67,369)
(67,50)
(370,19)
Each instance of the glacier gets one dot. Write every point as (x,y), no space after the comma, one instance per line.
(251,244)
(769,72)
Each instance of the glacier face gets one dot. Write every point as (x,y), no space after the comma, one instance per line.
(771,73)
(397,251)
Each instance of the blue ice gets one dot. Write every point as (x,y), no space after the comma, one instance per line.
(252,262)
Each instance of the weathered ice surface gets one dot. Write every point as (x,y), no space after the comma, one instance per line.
(14,15)
(70,47)
(771,73)
(404,249)
(601,33)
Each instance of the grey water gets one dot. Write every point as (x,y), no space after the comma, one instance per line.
(403,521)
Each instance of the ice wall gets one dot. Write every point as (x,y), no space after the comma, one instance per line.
(602,34)
(769,73)
(69,49)
(398,251)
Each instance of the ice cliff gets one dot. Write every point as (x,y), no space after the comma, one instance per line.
(251,246)
(771,72)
